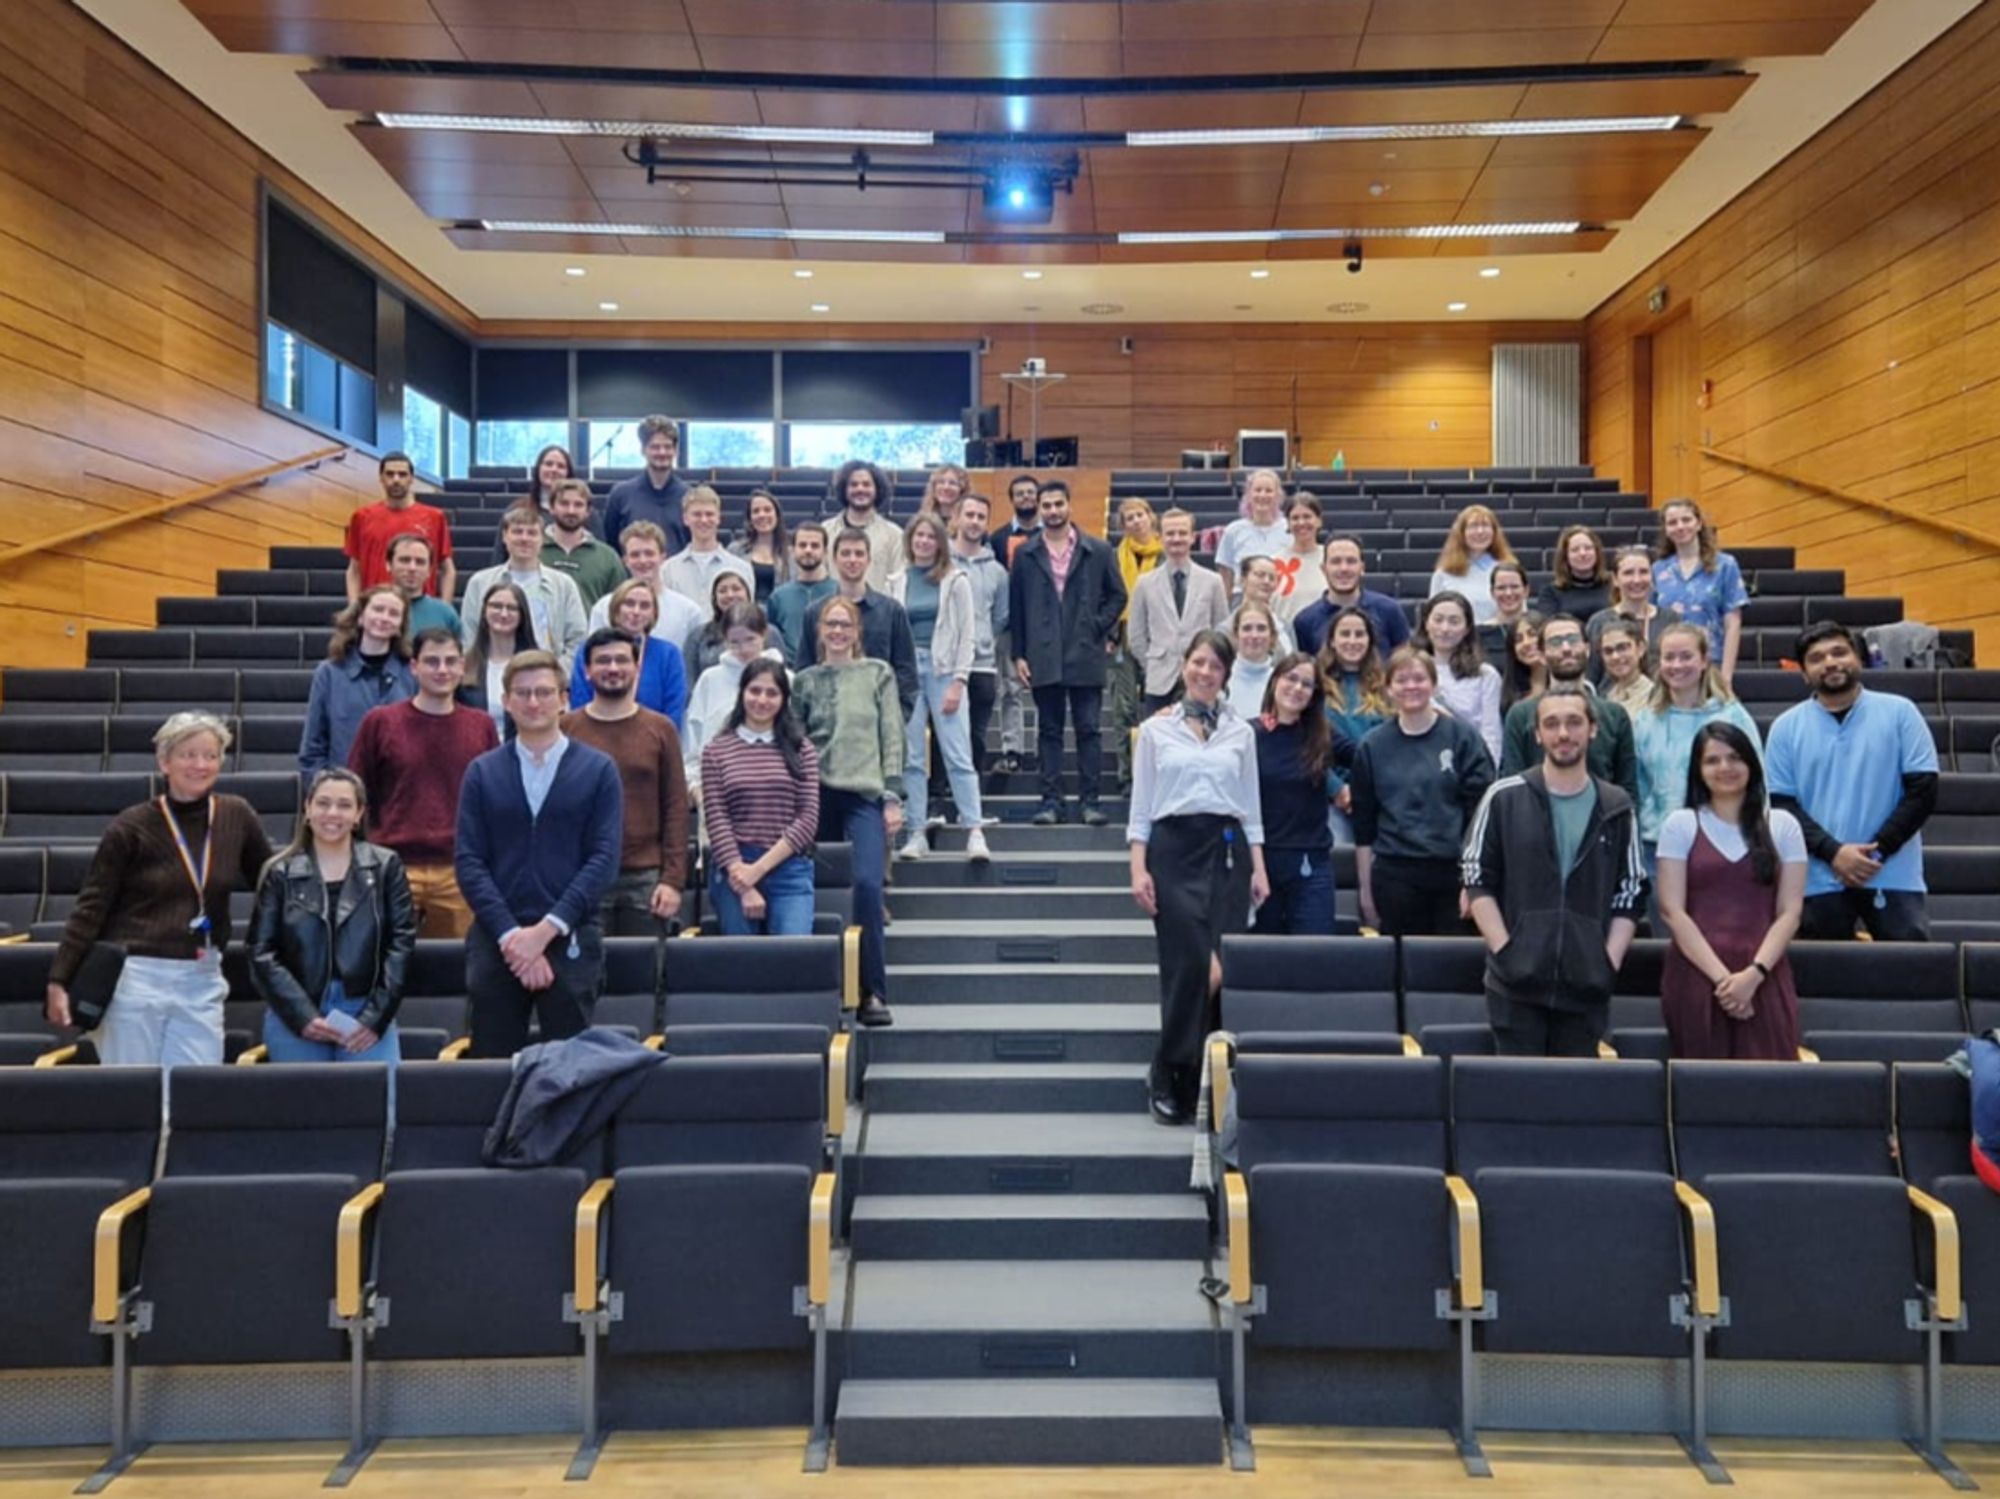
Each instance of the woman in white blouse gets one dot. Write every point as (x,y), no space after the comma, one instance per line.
(1467,688)
(1197,840)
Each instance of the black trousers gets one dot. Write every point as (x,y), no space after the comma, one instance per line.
(1888,915)
(1085,706)
(501,1006)
(1537,1031)
(1201,875)
(1417,897)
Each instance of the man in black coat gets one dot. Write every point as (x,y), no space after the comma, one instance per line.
(1064,598)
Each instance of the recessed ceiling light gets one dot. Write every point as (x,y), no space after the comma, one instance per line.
(1289,135)
(572,270)
(1489,272)
(1346,309)
(1102,309)
(1031,275)
(803,274)
(1246,307)
(607,306)
(1260,274)
(1454,307)
(1031,307)
(713,231)
(821,307)
(786,135)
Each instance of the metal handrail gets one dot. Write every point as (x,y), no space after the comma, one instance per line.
(1939,524)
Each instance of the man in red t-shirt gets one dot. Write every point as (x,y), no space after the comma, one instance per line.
(371,528)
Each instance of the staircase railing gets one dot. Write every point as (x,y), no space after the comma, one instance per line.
(123,518)
(1941,524)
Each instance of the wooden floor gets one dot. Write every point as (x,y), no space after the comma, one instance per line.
(753,1465)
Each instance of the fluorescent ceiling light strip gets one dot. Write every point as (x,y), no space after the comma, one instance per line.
(711,231)
(1310,134)
(1413,231)
(786,135)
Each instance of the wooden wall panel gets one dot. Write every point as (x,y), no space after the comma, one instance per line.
(1847,315)
(129,338)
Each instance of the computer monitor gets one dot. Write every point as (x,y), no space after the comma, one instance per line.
(1055,452)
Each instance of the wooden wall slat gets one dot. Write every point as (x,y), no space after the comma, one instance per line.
(1847,313)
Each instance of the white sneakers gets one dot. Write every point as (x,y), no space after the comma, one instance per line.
(975,846)
(914,847)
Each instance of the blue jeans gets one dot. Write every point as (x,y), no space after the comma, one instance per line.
(954,738)
(858,819)
(1301,900)
(787,892)
(287,1045)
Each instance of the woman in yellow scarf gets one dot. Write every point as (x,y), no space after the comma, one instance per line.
(1138,554)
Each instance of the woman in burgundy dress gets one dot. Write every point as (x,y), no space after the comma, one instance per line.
(1732,879)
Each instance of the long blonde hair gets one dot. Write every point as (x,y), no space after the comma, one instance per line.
(1456,556)
(1713,688)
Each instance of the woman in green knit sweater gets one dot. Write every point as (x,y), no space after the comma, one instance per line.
(851,713)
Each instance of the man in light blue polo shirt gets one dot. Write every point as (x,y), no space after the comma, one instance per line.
(1860,772)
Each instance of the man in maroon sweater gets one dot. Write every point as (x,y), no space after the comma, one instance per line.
(412,756)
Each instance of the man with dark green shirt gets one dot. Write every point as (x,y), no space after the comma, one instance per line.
(593,566)
(1612,757)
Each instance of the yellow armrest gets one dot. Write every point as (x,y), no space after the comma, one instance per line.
(15,939)
(1807,1054)
(1218,1082)
(690,931)
(1606,1052)
(1236,1205)
(453,1050)
(656,1043)
(836,1085)
(850,968)
(819,1241)
(61,1056)
(347,1249)
(1701,1238)
(1369,931)
(253,1056)
(105,1289)
(1471,1261)
(1944,1236)
(589,1209)
(1410,1046)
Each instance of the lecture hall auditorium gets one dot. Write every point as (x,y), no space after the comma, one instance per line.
(1568,261)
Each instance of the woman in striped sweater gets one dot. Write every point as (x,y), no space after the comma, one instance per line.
(761,805)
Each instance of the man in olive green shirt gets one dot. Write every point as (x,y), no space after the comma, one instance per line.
(591,564)
(1613,756)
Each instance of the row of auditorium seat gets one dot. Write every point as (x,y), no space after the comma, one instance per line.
(1752,1211)
(701,993)
(1881,1001)
(699,1223)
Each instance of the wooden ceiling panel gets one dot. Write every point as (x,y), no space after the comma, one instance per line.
(831,111)
(539,244)
(333,38)
(818,207)
(1413,106)
(1587,241)
(1011,23)
(1033,59)
(416,93)
(1032,255)
(662,16)
(465,149)
(1250,111)
(1508,198)
(1388,159)
(1241,54)
(458,199)
(1806,38)
(823,20)
(815,57)
(1447,17)
(1148,162)
(609,152)
(1477,49)
(740,215)
(1633,96)
(1369,215)
(601,101)
(714,249)
(1137,218)
(624,192)
(1248,191)
(1666,149)
(1355,287)
(1351,188)
(1057,113)
(576,48)
(1709,12)
(1221,20)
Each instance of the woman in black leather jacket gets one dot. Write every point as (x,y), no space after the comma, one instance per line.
(331,940)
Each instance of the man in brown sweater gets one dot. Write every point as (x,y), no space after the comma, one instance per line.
(647,751)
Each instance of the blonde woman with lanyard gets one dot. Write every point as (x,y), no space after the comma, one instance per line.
(1197,857)
(159,887)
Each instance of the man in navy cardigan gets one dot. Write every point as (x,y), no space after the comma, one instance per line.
(540,823)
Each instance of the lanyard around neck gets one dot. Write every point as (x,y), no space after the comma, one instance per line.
(197,873)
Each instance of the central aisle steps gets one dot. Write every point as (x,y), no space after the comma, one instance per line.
(1026,1254)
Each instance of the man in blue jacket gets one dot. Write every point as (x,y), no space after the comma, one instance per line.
(540,823)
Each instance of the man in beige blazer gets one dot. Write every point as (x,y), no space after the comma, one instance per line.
(1167,614)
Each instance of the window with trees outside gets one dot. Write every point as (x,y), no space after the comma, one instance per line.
(890,444)
(514,444)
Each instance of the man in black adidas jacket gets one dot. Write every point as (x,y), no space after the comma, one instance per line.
(1556,881)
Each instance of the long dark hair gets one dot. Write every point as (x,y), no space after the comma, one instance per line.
(1316,734)
(1517,678)
(785,730)
(1369,680)
(1466,657)
(544,498)
(1755,825)
(525,638)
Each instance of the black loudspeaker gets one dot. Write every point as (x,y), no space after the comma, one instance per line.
(979,421)
(987,452)
(1056,452)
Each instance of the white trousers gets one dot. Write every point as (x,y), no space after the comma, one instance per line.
(165,1012)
